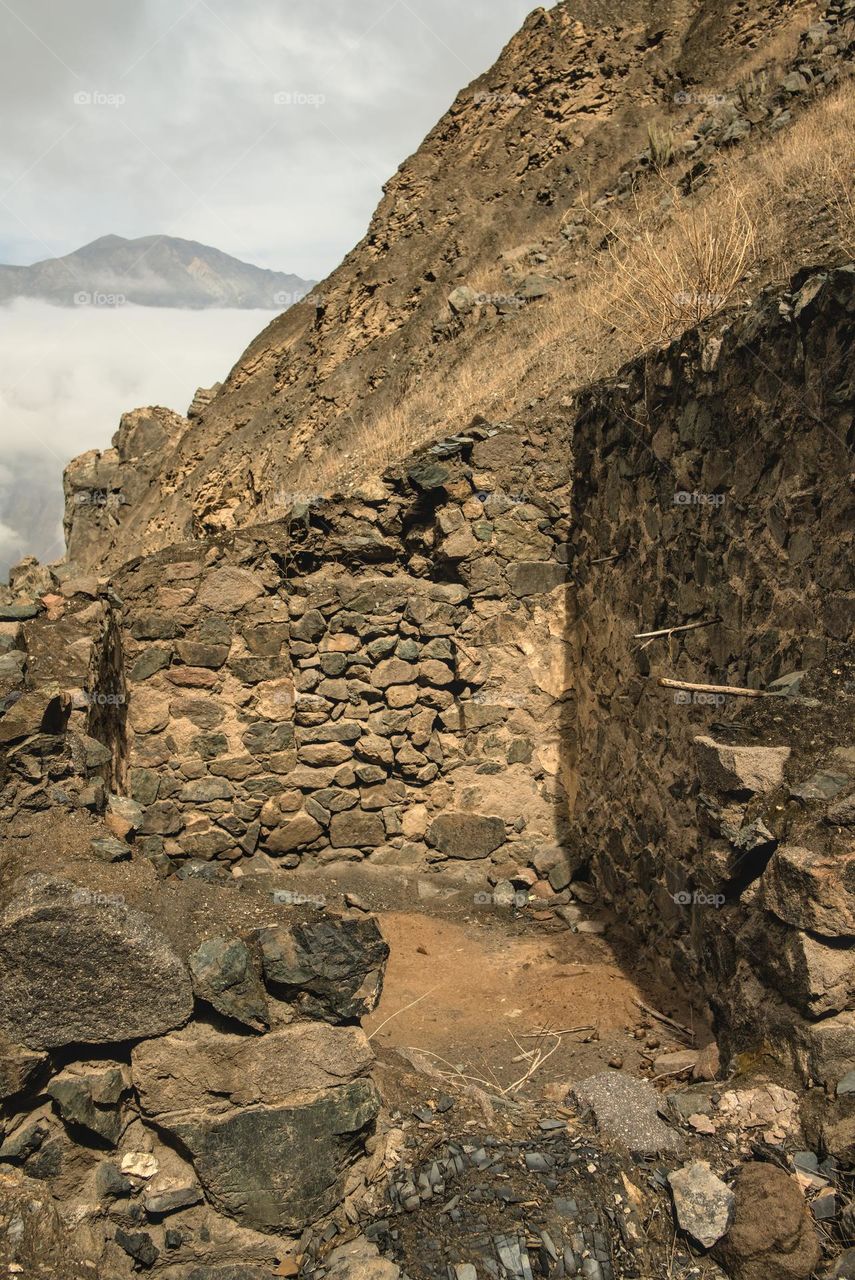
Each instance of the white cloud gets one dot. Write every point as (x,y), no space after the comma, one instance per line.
(66,377)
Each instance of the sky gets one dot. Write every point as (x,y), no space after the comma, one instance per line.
(263,127)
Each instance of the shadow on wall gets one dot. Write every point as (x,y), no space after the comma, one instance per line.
(709,496)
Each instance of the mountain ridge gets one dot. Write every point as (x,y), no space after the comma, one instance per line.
(154,271)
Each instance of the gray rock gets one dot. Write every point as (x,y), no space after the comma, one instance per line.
(90,1094)
(81,967)
(535,577)
(271,1123)
(822,785)
(626,1112)
(702,1202)
(139,1246)
(742,770)
(110,849)
(466,835)
(224,975)
(330,968)
(462,300)
(847,1083)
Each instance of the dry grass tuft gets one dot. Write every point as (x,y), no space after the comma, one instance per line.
(664,262)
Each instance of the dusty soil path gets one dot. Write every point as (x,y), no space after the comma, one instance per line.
(473,987)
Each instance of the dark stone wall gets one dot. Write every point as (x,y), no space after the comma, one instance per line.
(712,484)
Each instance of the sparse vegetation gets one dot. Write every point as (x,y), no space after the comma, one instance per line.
(666,262)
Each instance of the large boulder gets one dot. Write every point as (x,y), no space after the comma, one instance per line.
(330,968)
(79,967)
(811,890)
(771,1232)
(271,1124)
(741,770)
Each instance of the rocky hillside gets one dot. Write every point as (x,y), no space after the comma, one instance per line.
(565,685)
(152,271)
(468,292)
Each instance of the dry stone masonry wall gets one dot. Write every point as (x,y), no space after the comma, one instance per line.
(380,678)
(712,493)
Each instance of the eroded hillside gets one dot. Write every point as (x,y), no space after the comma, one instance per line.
(489,273)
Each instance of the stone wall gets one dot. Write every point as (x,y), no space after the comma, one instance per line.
(63,699)
(448,667)
(380,677)
(711,486)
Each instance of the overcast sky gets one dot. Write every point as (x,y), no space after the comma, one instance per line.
(161,116)
(263,127)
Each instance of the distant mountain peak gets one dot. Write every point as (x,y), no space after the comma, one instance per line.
(152,271)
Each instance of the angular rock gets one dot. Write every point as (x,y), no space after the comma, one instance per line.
(355,829)
(81,967)
(393,671)
(225,976)
(702,1202)
(626,1112)
(360,1260)
(466,835)
(330,968)
(271,1124)
(297,833)
(18,1066)
(811,890)
(742,770)
(229,589)
(139,1246)
(535,577)
(771,1232)
(90,1094)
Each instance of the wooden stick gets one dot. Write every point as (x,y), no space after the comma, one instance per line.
(603,559)
(670,631)
(733,689)
(661,1017)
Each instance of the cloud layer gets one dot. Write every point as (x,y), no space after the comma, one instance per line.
(66,377)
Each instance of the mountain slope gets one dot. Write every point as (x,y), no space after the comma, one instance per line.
(153,271)
(465,296)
